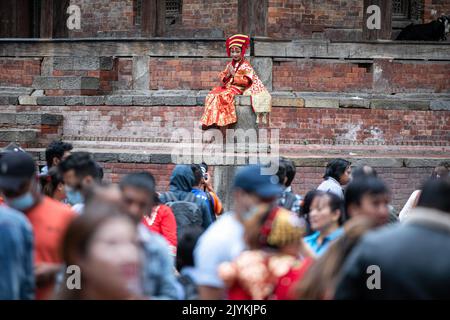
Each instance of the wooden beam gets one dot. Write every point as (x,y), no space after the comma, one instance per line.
(252,17)
(46,28)
(244,18)
(148,18)
(160,17)
(153,18)
(260,8)
(60,19)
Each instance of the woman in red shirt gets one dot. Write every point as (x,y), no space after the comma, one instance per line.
(161,220)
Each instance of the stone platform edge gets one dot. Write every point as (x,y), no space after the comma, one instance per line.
(313,161)
(423,102)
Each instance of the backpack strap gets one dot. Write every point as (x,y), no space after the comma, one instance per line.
(170,196)
(190,197)
(290,199)
(211,201)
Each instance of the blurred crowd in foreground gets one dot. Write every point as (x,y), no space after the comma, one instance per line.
(67,234)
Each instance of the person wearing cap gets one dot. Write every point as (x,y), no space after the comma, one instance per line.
(238,78)
(49,218)
(224,240)
(12,147)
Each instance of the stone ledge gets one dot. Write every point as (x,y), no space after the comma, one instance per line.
(65,83)
(420,102)
(87,63)
(25,119)
(18,135)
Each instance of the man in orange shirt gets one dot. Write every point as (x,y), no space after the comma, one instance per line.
(49,218)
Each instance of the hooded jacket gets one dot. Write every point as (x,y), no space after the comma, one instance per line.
(181,182)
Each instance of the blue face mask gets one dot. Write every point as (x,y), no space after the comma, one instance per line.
(21,203)
(73,197)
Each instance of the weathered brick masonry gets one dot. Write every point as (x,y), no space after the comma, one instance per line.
(18,72)
(286,19)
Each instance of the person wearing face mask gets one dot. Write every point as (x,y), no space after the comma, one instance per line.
(49,218)
(224,240)
(238,78)
(80,173)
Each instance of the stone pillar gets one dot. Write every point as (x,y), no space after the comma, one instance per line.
(224,174)
(141,74)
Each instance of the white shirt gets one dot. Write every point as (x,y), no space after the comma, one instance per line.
(223,241)
(333,186)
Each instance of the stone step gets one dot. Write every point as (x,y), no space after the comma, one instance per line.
(308,158)
(66,83)
(312,152)
(89,95)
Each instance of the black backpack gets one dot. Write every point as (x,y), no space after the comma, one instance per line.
(187,212)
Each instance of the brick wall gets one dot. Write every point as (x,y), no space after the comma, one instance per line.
(301,75)
(300,19)
(297,125)
(113,172)
(191,74)
(442,7)
(288,19)
(106,18)
(17,72)
(220,15)
(362,125)
(396,76)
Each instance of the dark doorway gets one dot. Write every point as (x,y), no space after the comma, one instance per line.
(16,19)
(33,18)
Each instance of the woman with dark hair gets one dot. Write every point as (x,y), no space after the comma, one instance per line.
(305,209)
(326,217)
(53,185)
(320,280)
(162,221)
(103,243)
(337,175)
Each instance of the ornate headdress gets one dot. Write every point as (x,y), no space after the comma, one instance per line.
(238,40)
(282,227)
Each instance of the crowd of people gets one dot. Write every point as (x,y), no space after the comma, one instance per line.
(342,240)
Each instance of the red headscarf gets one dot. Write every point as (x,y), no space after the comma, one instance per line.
(238,40)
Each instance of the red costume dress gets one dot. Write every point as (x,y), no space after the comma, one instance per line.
(219,104)
(268,273)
